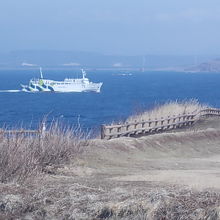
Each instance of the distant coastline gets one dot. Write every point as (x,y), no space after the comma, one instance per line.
(75,60)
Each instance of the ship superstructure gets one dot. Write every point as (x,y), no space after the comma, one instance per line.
(68,85)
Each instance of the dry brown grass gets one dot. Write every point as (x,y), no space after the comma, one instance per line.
(22,155)
(169,109)
(168,205)
(56,202)
(189,205)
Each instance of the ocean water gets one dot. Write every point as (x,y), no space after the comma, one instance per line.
(121,96)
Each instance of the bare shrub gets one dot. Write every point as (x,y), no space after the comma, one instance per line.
(24,155)
(169,109)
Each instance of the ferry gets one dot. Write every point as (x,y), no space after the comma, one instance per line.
(67,85)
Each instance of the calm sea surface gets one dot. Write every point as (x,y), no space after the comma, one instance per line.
(121,95)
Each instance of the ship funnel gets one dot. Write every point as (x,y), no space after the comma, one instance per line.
(41,74)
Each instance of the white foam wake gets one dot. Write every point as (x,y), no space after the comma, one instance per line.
(10,90)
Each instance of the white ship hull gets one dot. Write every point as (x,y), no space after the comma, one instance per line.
(91,87)
(68,85)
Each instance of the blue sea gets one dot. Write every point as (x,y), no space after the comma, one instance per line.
(123,93)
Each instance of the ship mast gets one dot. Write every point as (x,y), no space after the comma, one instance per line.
(41,74)
(83,73)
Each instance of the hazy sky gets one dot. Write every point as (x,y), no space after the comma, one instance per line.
(112,26)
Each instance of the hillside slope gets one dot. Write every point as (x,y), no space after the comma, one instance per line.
(164,176)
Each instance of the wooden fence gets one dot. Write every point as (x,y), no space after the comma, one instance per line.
(139,128)
(136,128)
(40,131)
